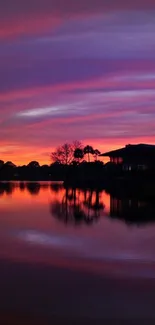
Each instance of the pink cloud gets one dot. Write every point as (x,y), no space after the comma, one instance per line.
(31,25)
(62,85)
(29,17)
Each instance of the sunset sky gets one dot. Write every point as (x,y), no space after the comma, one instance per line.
(75,70)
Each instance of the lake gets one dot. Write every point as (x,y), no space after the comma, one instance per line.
(76,253)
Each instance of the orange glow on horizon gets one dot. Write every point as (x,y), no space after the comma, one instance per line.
(23,155)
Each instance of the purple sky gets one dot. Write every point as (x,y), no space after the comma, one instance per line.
(72,70)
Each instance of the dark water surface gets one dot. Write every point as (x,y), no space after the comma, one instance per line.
(75,254)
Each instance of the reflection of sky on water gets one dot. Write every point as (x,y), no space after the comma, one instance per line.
(29,231)
(38,238)
(86,247)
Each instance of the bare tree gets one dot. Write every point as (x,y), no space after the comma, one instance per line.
(77,145)
(65,154)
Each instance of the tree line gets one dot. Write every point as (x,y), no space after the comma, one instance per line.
(66,154)
(74,153)
(67,161)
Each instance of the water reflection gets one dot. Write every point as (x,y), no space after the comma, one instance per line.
(7,188)
(56,187)
(33,188)
(32,241)
(34,218)
(22,186)
(84,206)
(133,210)
(78,206)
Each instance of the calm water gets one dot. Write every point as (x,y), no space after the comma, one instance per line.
(42,223)
(68,256)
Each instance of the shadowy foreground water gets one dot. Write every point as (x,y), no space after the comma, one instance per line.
(73,256)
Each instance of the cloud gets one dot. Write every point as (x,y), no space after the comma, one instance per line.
(69,7)
(30,17)
(78,51)
(107,115)
(39,112)
(73,69)
(35,25)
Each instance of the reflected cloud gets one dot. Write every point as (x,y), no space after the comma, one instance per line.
(45,239)
(84,247)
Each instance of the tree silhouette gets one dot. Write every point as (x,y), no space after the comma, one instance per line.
(78,154)
(10,164)
(65,154)
(96,154)
(77,144)
(1,163)
(87,151)
(33,164)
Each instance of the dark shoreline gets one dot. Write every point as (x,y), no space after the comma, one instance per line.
(117,187)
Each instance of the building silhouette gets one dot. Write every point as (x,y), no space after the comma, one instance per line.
(133,157)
